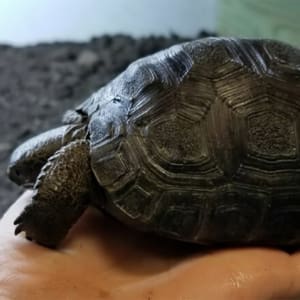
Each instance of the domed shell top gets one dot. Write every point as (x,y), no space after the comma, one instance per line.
(201,142)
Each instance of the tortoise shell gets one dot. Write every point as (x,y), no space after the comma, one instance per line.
(201,142)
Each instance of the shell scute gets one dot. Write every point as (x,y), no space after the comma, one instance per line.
(200,142)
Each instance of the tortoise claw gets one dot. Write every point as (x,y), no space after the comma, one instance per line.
(38,225)
(18,229)
(18,220)
(24,222)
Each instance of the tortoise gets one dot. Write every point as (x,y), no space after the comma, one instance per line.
(199,143)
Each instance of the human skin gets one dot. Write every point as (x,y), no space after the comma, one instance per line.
(101,259)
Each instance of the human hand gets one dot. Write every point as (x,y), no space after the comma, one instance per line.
(101,259)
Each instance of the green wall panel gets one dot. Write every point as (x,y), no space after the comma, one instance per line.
(278,19)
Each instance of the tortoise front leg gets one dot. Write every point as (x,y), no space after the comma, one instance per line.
(61,195)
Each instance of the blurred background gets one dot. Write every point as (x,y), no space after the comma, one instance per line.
(34,21)
(54,54)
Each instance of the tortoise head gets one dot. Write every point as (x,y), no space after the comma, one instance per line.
(28,159)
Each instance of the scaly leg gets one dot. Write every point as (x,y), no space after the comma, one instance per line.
(61,195)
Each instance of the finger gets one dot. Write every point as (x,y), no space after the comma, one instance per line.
(232,274)
(7,221)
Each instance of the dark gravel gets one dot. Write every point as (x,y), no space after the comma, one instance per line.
(38,83)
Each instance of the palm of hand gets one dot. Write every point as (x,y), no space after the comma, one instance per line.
(101,259)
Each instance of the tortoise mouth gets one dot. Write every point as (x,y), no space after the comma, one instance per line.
(18,177)
(28,185)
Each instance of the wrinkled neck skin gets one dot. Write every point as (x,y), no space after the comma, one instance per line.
(28,159)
